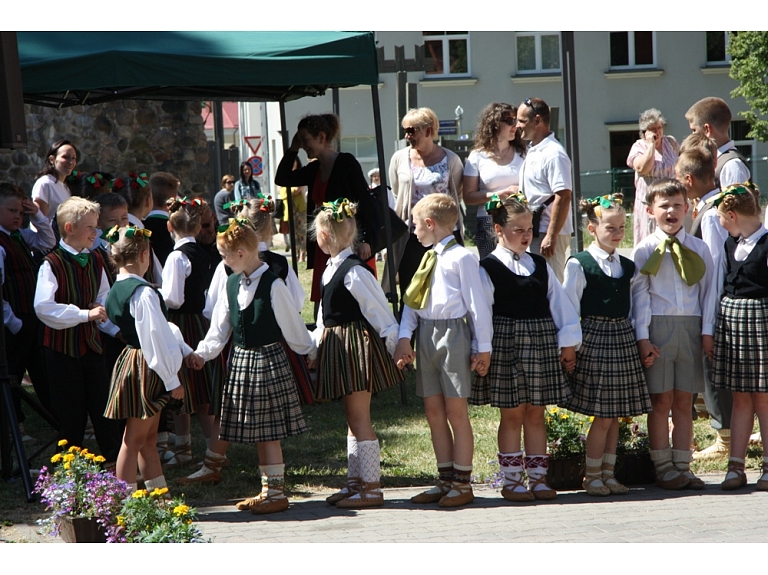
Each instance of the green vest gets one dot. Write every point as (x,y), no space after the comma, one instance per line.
(255,326)
(603,295)
(119,308)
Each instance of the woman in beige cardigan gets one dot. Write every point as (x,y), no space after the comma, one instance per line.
(421,169)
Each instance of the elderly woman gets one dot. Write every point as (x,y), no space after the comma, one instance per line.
(493,167)
(421,169)
(652,157)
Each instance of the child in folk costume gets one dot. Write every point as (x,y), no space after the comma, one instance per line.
(741,348)
(146,373)
(186,275)
(535,333)
(260,404)
(356,333)
(608,381)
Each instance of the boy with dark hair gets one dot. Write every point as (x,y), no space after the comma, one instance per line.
(164,186)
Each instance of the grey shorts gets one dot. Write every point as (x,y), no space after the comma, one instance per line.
(443,349)
(680,365)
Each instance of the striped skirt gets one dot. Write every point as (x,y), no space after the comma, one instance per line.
(198,384)
(608,380)
(741,346)
(525,366)
(136,390)
(352,357)
(260,402)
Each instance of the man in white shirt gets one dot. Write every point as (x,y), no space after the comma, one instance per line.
(546,182)
(712,117)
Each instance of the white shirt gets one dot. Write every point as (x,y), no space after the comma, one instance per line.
(712,232)
(62,315)
(294,331)
(43,239)
(161,342)
(734,171)
(564,316)
(492,176)
(369,296)
(176,270)
(456,292)
(50,190)
(546,171)
(157,267)
(666,293)
(575,281)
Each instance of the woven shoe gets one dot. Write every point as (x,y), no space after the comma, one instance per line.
(369,495)
(464,495)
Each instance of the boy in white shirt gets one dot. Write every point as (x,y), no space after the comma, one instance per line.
(446,302)
(674,299)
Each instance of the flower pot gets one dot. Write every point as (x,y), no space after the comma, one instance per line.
(635,468)
(81,530)
(566,473)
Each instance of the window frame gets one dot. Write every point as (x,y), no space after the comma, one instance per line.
(446,38)
(631,52)
(727,60)
(537,53)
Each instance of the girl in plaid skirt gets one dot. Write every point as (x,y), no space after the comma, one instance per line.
(356,335)
(608,381)
(259,401)
(535,333)
(145,376)
(740,361)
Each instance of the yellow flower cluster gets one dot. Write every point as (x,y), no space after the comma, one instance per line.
(69,457)
(159,492)
(62,443)
(139,494)
(626,420)
(120,520)
(181,510)
(56,458)
(99,459)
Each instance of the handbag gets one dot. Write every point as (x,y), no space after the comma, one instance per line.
(398,227)
(537,212)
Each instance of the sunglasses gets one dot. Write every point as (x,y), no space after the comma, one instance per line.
(229,182)
(532,106)
(411,130)
(509,121)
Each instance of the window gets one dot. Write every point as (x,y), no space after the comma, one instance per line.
(633,49)
(538,52)
(362,147)
(717,44)
(450,51)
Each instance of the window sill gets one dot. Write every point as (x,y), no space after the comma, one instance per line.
(634,73)
(361,87)
(716,69)
(536,78)
(447,82)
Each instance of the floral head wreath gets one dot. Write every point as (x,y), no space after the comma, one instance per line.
(496,202)
(135,180)
(196,202)
(113,235)
(734,190)
(605,201)
(97,180)
(339,209)
(238,222)
(263,202)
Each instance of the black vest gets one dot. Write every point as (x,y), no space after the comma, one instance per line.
(161,239)
(747,279)
(255,326)
(339,306)
(603,295)
(519,297)
(198,280)
(278,264)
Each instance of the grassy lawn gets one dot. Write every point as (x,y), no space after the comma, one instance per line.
(317,460)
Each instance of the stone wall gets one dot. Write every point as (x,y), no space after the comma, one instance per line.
(117,137)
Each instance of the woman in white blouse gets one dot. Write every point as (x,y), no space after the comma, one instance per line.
(50,189)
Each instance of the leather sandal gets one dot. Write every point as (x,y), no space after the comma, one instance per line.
(737,481)
(615,487)
(464,495)
(547,494)
(250,502)
(182,457)
(508,491)
(270,504)
(353,486)
(369,495)
(434,494)
(594,486)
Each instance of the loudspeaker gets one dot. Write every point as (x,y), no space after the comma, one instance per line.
(13,128)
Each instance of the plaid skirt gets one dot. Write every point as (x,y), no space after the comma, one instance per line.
(260,402)
(197,384)
(525,366)
(608,380)
(741,346)
(352,357)
(136,390)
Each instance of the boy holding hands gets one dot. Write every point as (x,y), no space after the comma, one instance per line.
(445,301)
(675,300)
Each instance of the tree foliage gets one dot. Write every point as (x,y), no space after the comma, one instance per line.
(749,67)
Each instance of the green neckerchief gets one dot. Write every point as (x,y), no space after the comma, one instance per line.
(417,294)
(688,263)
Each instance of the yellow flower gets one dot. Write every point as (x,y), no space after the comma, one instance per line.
(89,456)
(181,510)
(564,416)
(157,492)
(188,522)
(84,452)
(67,465)
(56,458)
(99,459)
(62,443)
(75,449)
(120,520)
(69,457)
(554,410)
(139,494)
(549,419)
(626,420)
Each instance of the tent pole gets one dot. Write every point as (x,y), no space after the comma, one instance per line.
(392,292)
(289,192)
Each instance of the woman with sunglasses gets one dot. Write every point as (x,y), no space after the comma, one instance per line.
(421,169)
(493,167)
(224,196)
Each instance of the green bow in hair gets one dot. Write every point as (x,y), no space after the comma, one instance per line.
(193,202)
(234,204)
(604,201)
(734,190)
(96,180)
(133,231)
(494,203)
(112,235)
(140,179)
(339,209)
(238,222)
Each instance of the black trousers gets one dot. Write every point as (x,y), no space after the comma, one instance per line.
(79,388)
(22,350)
